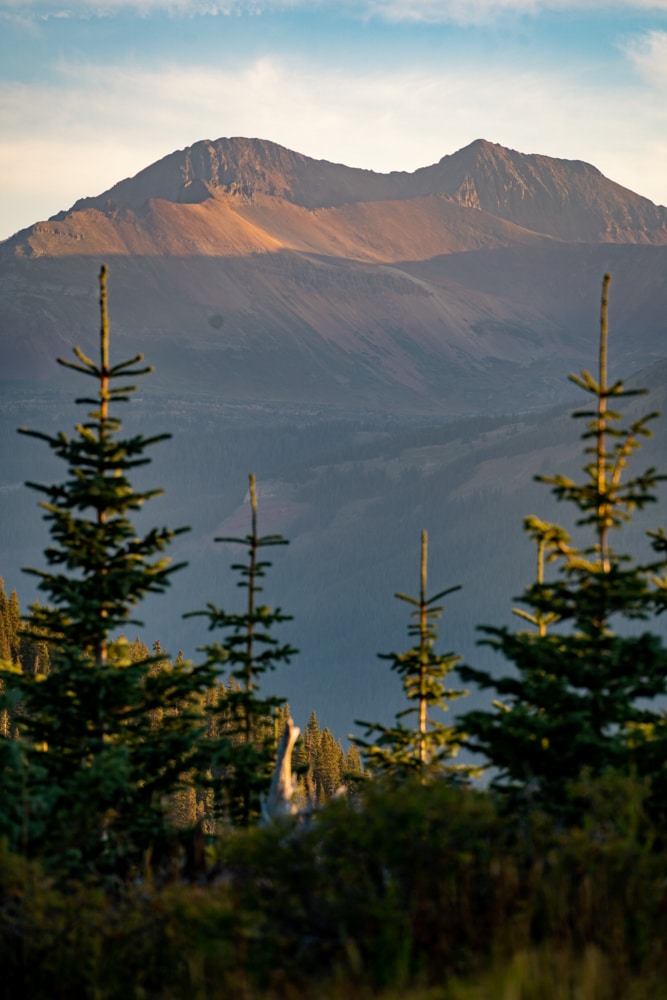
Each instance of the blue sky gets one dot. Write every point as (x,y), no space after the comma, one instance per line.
(91,91)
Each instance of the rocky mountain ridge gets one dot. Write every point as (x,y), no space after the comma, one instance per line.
(247,268)
(564,199)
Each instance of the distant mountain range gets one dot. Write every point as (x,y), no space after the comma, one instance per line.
(244,268)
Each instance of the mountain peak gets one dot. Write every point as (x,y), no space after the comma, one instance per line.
(569,199)
(563,199)
(244,168)
(477,146)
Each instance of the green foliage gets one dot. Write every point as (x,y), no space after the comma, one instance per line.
(582,698)
(422,884)
(21,642)
(244,753)
(328,766)
(94,768)
(400,750)
(10,620)
(322,765)
(421,892)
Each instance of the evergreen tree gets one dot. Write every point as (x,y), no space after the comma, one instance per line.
(95,772)
(10,620)
(34,655)
(244,754)
(328,765)
(312,740)
(399,750)
(313,734)
(353,767)
(312,743)
(5,655)
(21,648)
(579,702)
(14,624)
(139,651)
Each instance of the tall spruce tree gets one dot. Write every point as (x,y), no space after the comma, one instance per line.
(96,770)
(428,747)
(581,701)
(244,753)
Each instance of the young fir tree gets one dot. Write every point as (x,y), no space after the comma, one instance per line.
(579,701)
(95,770)
(244,753)
(428,747)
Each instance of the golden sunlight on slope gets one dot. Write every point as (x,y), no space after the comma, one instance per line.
(160,228)
(227,226)
(388,231)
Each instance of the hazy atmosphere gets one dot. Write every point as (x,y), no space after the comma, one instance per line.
(92,92)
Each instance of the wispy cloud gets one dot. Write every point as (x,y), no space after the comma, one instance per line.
(648,52)
(428,11)
(478,12)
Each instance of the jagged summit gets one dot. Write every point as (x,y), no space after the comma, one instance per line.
(568,199)
(245,168)
(564,199)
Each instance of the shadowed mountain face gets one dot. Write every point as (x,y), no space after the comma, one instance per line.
(242,267)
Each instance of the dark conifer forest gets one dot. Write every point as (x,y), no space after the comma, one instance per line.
(166,830)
